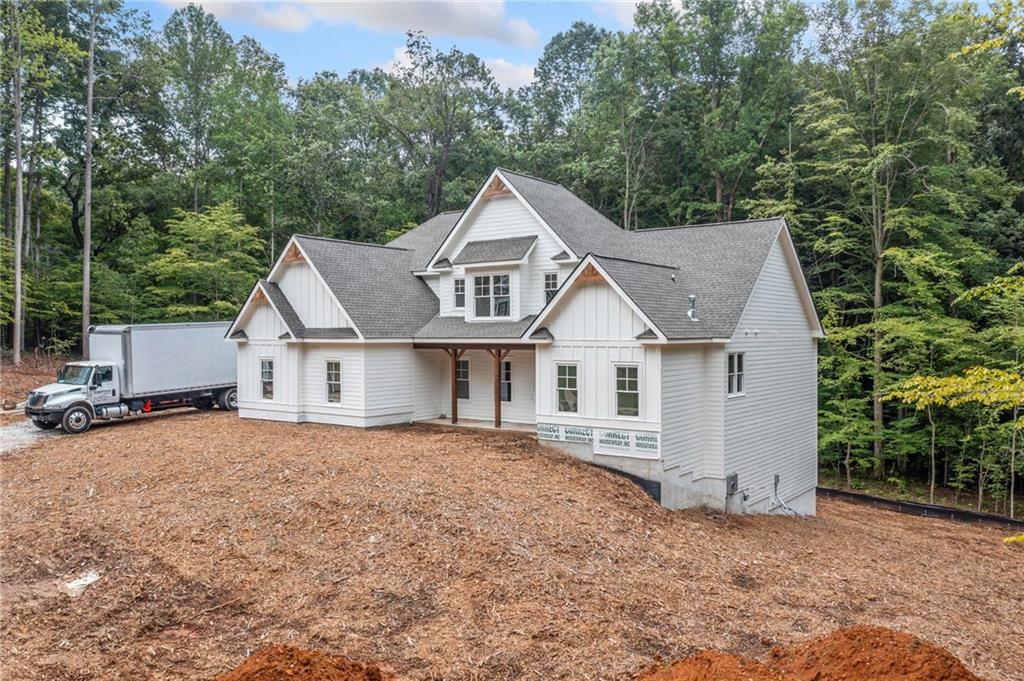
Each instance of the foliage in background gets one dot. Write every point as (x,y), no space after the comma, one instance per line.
(890,135)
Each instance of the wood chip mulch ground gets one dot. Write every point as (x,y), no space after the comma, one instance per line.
(442,554)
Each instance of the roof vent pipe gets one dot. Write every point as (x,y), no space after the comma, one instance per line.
(691,314)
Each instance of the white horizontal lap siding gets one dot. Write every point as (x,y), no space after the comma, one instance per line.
(314,304)
(692,404)
(390,380)
(480,405)
(314,379)
(499,218)
(432,374)
(772,428)
(596,328)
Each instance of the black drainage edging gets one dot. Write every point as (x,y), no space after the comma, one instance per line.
(651,487)
(923,510)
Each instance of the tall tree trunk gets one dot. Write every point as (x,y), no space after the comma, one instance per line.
(931,468)
(19,206)
(1013,458)
(876,397)
(87,234)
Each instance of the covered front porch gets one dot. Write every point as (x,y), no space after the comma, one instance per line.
(485,385)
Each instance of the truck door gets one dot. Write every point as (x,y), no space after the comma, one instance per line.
(103,386)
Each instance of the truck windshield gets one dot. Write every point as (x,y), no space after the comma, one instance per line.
(74,374)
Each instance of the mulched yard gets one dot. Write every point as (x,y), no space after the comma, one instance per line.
(443,554)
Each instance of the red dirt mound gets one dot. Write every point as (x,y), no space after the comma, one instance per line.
(858,653)
(285,663)
(711,665)
(861,653)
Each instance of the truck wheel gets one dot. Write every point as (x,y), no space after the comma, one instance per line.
(76,420)
(228,399)
(203,402)
(44,425)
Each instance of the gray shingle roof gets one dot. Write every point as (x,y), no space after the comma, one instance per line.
(374,284)
(456,327)
(425,239)
(495,250)
(329,332)
(284,308)
(581,227)
(719,263)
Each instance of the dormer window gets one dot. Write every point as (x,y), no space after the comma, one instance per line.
(550,286)
(491,295)
(460,293)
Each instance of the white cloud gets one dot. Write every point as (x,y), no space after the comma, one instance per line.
(623,10)
(480,19)
(506,74)
(509,75)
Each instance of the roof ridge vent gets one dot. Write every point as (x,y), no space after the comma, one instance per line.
(691,313)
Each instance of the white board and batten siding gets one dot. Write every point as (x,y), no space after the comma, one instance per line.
(312,301)
(595,329)
(772,428)
(503,217)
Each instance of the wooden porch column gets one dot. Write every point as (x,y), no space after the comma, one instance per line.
(455,355)
(498,356)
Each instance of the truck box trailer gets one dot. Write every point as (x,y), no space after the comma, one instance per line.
(138,368)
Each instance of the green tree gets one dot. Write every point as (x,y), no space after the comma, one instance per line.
(209,265)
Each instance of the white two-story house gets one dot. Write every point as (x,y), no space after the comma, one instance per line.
(685,356)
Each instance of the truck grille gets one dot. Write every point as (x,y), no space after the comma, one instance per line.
(36,399)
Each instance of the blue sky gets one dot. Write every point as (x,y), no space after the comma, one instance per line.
(312,35)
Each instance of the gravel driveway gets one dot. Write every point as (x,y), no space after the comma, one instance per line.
(18,433)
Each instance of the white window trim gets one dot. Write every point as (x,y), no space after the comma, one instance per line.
(544,282)
(741,393)
(273,378)
(471,293)
(455,305)
(639,391)
(579,387)
(469,378)
(327,390)
(511,380)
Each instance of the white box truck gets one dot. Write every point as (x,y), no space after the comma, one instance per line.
(140,368)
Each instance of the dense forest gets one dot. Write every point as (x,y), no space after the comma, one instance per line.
(169,166)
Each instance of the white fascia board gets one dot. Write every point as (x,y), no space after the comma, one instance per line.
(248,302)
(320,278)
(469,213)
(797,272)
(478,341)
(427,273)
(548,310)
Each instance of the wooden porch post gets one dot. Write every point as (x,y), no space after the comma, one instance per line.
(498,356)
(455,355)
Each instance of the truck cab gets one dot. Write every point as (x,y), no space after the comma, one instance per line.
(85,388)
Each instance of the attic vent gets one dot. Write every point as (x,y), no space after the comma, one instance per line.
(691,314)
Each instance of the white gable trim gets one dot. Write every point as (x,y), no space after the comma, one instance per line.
(469,214)
(245,309)
(549,309)
(305,256)
(796,273)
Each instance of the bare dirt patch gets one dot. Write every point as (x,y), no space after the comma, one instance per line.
(287,663)
(448,554)
(17,381)
(859,653)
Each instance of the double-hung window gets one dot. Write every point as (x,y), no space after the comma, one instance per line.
(334,381)
(735,373)
(491,295)
(567,388)
(506,382)
(550,286)
(267,378)
(462,379)
(627,390)
(460,293)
